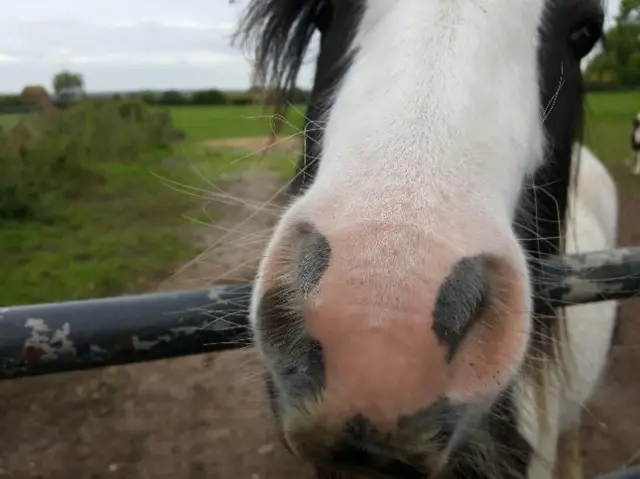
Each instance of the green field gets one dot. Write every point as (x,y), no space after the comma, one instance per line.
(608,124)
(608,130)
(7,121)
(122,238)
(207,123)
(129,234)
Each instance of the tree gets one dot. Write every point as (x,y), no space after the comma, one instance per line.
(172,98)
(602,71)
(148,97)
(209,97)
(619,64)
(629,11)
(300,96)
(68,86)
(10,101)
(36,96)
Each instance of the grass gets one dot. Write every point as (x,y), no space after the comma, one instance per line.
(124,237)
(608,131)
(208,123)
(7,121)
(211,163)
(129,234)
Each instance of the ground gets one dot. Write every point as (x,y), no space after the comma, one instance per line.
(205,416)
(611,432)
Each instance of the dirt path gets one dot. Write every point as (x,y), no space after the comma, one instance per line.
(205,416)
(256,143)
(611,430)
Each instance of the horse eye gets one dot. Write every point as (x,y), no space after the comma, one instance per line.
(323,15)
(584,36)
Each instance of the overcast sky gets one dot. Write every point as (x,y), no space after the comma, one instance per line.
(127,44)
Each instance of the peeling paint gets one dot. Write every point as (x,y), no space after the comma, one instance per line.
(95,349)
(42,345)
(145,345)
(595,276)
(215,294)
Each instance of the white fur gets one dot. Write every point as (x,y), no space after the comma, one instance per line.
(421,119)
(593,220)
(440,109)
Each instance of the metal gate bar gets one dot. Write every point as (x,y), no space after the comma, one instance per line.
(58,337)
(630,473)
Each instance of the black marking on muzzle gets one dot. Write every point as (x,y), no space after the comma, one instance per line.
(294,357)
(312,258)
(362,446)
(461,301)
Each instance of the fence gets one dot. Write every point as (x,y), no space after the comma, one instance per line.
(57,337)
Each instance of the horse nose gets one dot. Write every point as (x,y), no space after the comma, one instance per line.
(383,326)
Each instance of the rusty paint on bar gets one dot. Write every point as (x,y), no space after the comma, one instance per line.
(76,335)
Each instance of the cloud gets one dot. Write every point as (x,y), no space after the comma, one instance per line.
(192,58)
(5,58)
(66,40)
(122,44)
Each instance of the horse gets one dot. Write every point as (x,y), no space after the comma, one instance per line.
(397,307)
(635,143)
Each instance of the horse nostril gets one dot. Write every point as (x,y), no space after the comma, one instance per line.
(294,356)
(462,300)
(312,257)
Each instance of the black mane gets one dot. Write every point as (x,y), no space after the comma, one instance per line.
(281,31)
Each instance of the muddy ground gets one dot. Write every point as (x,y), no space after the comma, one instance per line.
(205,416)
